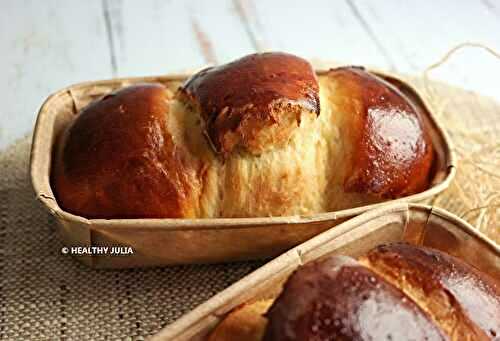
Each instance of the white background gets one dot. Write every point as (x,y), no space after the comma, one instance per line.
(46,45)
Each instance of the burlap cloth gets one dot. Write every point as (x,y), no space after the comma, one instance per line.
(47,295)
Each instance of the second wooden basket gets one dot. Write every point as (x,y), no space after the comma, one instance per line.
(417,224)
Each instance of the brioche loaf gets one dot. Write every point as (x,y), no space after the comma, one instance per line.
(261,136)
(395,292)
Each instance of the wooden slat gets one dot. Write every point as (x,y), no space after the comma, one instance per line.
(493,6)
(158,37)
(223,28)
(323,29)
(418,33)
(45,46)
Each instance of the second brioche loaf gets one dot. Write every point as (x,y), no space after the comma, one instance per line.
(396,291)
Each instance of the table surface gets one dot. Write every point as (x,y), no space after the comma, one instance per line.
(46,45)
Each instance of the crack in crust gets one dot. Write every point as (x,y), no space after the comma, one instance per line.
(462,300)
(253,103)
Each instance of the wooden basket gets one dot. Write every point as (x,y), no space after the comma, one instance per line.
(181,241)
(417,224)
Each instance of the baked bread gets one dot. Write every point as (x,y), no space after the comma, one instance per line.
(261,136)
(395,292)
(244,323)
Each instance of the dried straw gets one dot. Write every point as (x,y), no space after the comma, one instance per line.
(474,126)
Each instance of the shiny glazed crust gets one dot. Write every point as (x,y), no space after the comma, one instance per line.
(463,301)
(119,160)
(262,136)
(391,151)
(339,299)
(397,291)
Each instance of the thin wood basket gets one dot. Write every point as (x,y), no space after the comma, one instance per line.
(157,242)
(417,224)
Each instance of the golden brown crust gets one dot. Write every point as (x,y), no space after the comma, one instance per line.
(391,153)
(118,160)
(246,323)
(142,153)
(239,101)
(394,292)
(337,298)
(463,301)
